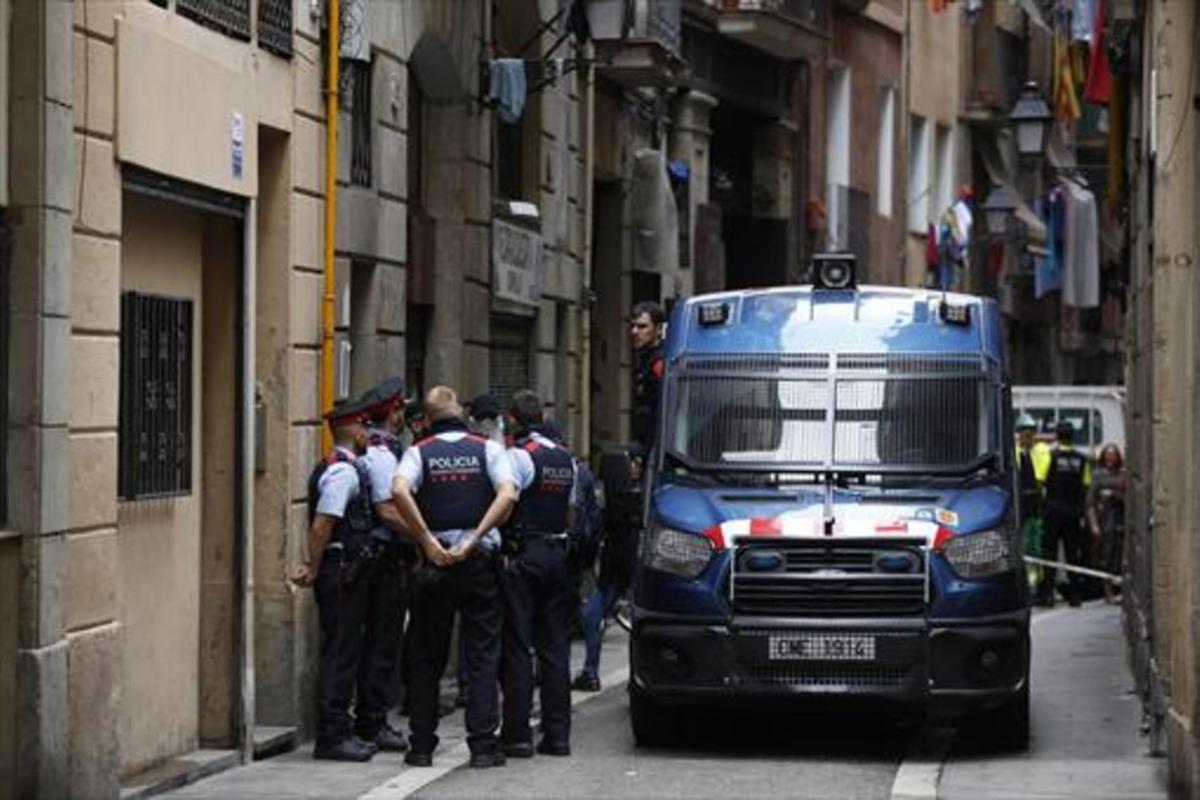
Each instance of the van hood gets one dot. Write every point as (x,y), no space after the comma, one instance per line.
(801,511)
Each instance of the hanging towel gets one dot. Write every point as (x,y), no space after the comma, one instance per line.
(1099,80)
(506,87)
(1081,250)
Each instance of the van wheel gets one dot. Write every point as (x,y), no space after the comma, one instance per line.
(653,726)
(1006,728)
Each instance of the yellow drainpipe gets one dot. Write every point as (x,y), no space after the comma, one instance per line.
(331,149)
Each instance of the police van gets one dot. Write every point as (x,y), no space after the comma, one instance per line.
(830,513)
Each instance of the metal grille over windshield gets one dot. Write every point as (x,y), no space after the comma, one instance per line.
(813,411)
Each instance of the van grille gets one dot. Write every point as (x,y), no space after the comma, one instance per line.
(824,578)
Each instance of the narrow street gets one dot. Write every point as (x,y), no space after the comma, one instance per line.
(1085,743)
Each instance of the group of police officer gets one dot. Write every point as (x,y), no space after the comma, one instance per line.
(419,530)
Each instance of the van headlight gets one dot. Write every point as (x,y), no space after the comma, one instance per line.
(980,555)
(676,552)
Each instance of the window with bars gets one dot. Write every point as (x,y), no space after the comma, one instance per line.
(360,124)
(155,397)
(275,26)
(230,17)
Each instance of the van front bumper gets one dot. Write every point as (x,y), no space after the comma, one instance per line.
(950,667)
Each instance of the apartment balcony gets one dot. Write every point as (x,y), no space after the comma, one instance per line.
(637,44)
(778,27)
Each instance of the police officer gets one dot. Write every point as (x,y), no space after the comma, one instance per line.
(1033,461)
(646,332)
(385,579)
(338,544)
(537,587)
(1066,482)
(416,420)
(486,419)
(455,487)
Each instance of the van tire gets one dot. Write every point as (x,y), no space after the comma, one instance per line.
(1006,728)
(653,726)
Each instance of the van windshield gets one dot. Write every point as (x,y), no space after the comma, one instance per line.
(873,412)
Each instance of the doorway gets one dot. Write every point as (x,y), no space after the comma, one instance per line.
(178,535)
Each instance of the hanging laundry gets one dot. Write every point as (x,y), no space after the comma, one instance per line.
(1099,78)
(507,88)
(1066,101)
(961,223)
(1081,248)
(1083,15)
(1047,275)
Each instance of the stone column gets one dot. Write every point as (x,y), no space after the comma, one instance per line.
(42,199)
(689,141)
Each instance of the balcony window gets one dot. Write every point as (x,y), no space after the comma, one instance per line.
(275,26)
(885,172)
(231,17)
(360,122)
(918,174)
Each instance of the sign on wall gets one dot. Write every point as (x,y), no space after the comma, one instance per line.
(517,262)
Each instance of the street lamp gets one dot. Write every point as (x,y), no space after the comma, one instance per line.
(998,209)
(1031,117)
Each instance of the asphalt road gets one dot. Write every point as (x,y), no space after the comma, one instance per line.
(777,754)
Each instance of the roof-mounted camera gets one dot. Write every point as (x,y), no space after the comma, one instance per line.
(835,271)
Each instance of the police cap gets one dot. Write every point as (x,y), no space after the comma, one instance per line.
(413,410)
(1064,429)
(484,407)
(347,412)
(379,400)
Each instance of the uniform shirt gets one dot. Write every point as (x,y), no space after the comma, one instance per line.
(499,470)
(381,464)
(338,485)
(524,472)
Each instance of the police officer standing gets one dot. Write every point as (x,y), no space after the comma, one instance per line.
(646,332)
(384,580)
(1066,483)
(338,544)
(537,587)
(455,487)
(1033,462)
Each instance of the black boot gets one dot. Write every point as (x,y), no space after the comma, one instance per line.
(349,749)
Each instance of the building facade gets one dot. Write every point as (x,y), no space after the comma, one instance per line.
(162,275)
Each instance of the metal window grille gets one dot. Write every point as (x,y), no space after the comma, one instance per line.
(230,17)
(360,154)
(156,397)
(275,26)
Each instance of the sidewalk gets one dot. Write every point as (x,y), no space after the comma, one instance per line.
(1085,726)
(297,775)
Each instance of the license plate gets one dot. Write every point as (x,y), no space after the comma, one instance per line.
(821,647)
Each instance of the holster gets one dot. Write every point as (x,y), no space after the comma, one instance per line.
(357,560)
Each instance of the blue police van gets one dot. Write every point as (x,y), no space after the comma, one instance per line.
(831,509)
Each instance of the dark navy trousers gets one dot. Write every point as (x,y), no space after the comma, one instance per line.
(537,608)
(471,589)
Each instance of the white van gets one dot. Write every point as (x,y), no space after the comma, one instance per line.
(1097,412)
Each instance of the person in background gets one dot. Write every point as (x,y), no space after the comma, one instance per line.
(485,418)
(1033,462)
(416,420)
(1106,514)
(618,558)
(1067,479)
(646,334)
